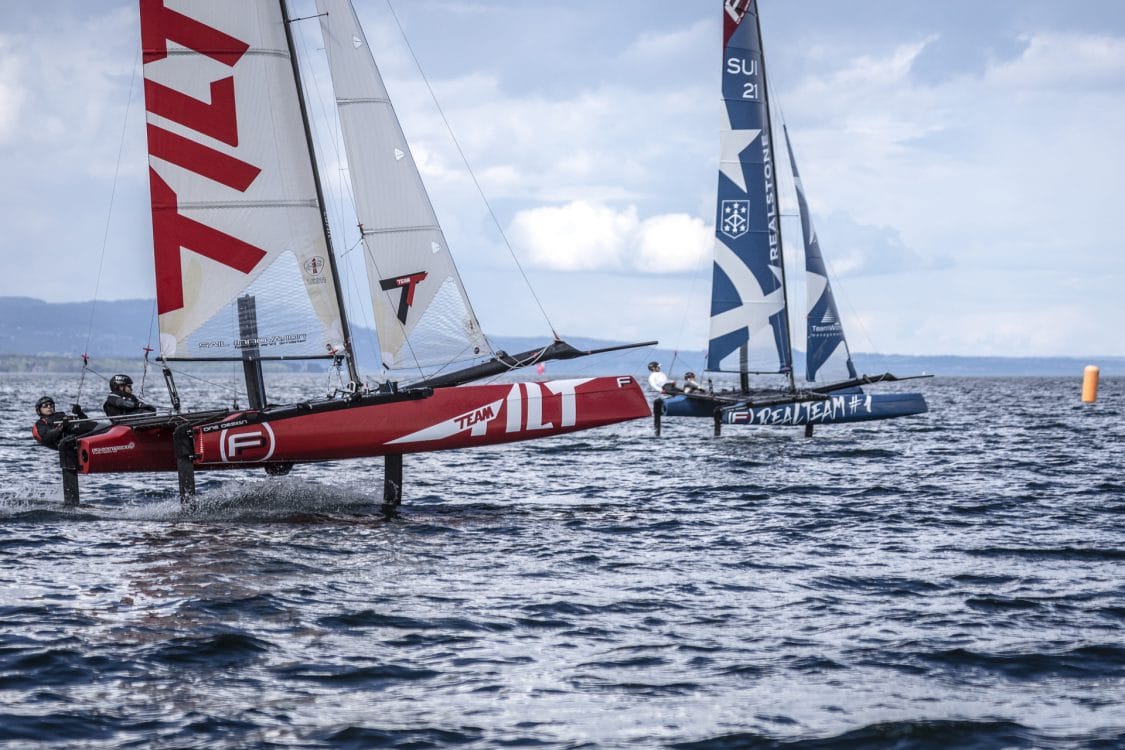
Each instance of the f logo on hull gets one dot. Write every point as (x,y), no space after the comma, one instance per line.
(247,444)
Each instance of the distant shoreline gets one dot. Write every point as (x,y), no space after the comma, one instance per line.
(870,364)
(114,332)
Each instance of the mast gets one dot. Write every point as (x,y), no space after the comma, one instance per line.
(776,200)
(353,373)
(749,319)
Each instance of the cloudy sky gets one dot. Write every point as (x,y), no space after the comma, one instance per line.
(963,160)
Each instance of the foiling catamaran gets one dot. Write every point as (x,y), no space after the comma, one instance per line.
(245,273)
(749,300)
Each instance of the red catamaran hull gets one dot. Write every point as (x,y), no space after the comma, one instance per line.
(461,417)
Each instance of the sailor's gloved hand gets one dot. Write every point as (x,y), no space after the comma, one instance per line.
(77,411)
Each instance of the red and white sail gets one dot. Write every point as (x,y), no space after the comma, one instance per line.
(234,202)
(422,314)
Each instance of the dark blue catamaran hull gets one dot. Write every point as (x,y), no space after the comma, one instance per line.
(837,409)
(683,406)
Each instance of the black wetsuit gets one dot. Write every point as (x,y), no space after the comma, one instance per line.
(50,430)
(119,404)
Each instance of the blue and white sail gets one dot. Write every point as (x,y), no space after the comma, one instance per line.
(827,347)
(749,323)
(749,308)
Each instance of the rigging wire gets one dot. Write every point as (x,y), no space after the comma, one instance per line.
(472,174)
(695,276)
(777,113)
(108,221)
(234,389)
(148,347)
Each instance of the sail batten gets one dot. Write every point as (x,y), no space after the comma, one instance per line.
(423,317)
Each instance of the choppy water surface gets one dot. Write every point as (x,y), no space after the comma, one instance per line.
(949,580)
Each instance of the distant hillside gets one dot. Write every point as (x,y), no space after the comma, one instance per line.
(34,327)
(50,337)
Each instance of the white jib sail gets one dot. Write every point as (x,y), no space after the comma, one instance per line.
(234,205)
(422,314)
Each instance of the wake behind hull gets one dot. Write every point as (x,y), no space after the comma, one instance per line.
(449,418)
(838,409)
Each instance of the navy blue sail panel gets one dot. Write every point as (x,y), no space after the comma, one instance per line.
(749,330)
(827,347)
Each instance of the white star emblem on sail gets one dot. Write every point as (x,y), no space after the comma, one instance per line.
(732,144)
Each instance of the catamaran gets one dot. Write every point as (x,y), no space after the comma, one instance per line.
(749,298)
(245,270)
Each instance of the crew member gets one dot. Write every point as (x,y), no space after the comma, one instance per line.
(659,382)
(52,425)
(121,400)
(691,385)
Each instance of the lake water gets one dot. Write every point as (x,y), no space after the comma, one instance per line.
(955,579)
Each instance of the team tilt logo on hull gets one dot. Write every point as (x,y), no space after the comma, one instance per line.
(521,411)
(204,122)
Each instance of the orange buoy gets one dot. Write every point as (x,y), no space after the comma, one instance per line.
(1090,384)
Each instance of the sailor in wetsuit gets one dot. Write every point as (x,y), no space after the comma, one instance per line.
(121,400)
(52,426)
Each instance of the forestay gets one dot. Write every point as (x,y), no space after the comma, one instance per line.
(749,328)
(422,314)
(234,203)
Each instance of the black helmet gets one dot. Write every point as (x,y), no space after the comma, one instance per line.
(689,374)
(654,365)
(117,382)
(43,402)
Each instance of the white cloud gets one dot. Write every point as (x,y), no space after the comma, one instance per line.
(1063,61)
(656,47)
(580,236)
(598,144)
(978,168)
(584,236)
(673,243)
